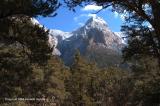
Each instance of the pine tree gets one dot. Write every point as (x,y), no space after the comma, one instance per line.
(112,87)
(31,8)
(146,77)
(24,48)
(77,84)
(90,86)
(143,43)
(54,81)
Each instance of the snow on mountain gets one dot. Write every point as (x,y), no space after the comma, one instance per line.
(97,31)
(96,22)
(60,35)
(95,36)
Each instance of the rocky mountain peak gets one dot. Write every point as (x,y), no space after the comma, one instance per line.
(96,22)
(96,32)
(93,39)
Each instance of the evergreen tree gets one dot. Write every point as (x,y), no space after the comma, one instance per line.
(77,84)
(146,77)
(55,75)
(23,46)
(31,8)
(143,43)
(24,49)
(89,86)
(112,87)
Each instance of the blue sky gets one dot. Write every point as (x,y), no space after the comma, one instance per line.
(67,20)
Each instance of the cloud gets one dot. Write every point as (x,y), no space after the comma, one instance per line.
(82,18)
(92,7)
(78,18)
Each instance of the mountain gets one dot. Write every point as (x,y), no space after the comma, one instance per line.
(60,35)
(53,40)
(94,40)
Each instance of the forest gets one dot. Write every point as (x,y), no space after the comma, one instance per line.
(28,70)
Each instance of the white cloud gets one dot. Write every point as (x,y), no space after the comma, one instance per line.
(81,18)
(92,7)
(78,18)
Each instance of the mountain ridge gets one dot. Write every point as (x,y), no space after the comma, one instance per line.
(94,40)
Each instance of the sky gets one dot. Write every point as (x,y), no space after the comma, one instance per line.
(68,21)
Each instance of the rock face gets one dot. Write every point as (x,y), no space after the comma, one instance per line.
(94,40)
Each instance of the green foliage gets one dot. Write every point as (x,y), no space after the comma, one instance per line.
(30,8)
(22,47)
(77,83)
(55,76)
(26,69)
(147,77)
(114,87)
(90,86)
(143,46)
